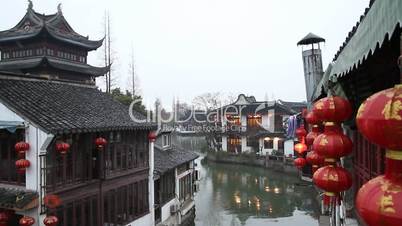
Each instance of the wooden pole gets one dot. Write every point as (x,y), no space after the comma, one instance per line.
(400,60)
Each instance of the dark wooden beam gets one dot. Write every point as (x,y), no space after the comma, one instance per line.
(400,58)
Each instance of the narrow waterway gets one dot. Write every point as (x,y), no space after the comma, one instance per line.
(232,195)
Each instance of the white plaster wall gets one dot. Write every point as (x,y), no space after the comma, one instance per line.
(8,115)
(151,183)
(288,147)
(243,121)
(165,210)
(146,220)
(275,143)
(265,123)
(244,147)
(265,151)
(224,143)
(38,141)
(271,120)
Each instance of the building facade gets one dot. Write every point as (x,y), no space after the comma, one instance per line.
(48,99)
(175,182)
(250,126)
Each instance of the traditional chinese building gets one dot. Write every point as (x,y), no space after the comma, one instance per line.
(255,126)
(175,181)
(46,45)
(370,60)
(78,143)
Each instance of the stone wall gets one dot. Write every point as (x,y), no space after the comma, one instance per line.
(275,163)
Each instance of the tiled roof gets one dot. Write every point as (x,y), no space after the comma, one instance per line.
(59,107)
(13,198)
(169,159)
(311,39)
(33,24)
(18,65)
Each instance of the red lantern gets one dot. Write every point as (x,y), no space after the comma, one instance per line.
(332,109)
(332,179)
(301,132)
(311,136)
(62,147)
(52,201)
(315,160)
(326,200)
(300,162)
(152,136)
(379,201)
(100,143)
(51,221)
(379,118)
(22,165)
(21,147)
(26,221)
(301,148)
(4,218)
(332,144)
(312,119)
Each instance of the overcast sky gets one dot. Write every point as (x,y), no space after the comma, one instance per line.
(184,48)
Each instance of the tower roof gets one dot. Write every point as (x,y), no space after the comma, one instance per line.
(34,62)
(33,24)
(310,39)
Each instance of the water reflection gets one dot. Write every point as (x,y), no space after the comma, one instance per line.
(240,195)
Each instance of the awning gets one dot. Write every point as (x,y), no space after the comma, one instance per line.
(381,20)
(18,199)
(11,126)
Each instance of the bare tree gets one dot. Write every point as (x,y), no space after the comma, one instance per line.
(109,55)
(105,47)
(133,75)
(208,101)
(230,98)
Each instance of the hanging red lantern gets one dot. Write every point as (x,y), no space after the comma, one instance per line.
(22,165)
(26,221)
(301,132)
(152,136)
(4,218)
(379,201)
(315,160)
(379,118)
(300,162)
(21,147)
(311,136)
(52,201)
(332,144)
(51,221)
(312,119)
(62,148)
(100,143)
(301,148)
(333,109)
(332,179)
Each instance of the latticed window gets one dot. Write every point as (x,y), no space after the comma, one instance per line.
(8,156)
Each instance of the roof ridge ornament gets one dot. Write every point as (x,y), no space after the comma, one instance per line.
(30,5)
(59,9)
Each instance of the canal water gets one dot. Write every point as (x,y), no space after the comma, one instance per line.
(232,195)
